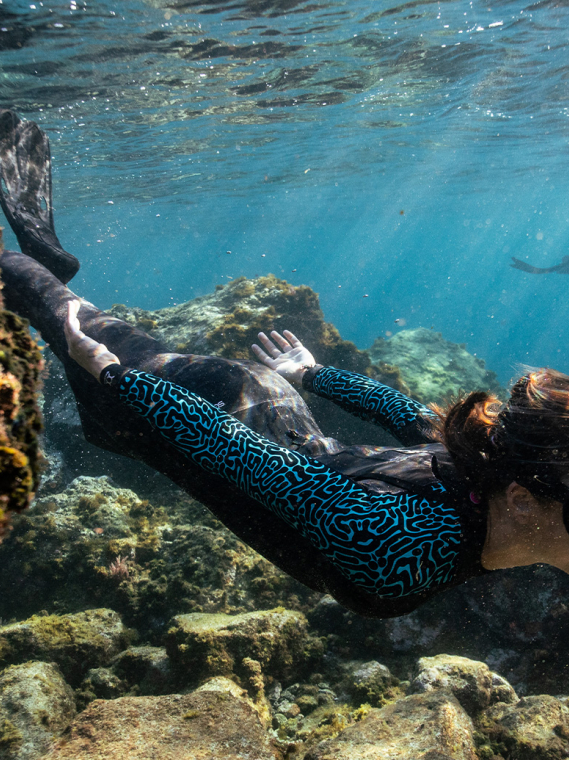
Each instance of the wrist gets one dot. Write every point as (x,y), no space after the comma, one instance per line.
(308,374)
(112,374)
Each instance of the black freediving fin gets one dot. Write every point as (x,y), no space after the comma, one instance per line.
(25,193)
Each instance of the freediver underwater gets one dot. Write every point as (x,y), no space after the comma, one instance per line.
(561,268)
(480,488)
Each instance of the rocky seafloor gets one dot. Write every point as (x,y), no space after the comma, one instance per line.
(134,625)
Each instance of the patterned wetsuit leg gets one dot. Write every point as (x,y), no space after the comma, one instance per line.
(392,545)
(406,419)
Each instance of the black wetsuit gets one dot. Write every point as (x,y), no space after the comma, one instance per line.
(394,531)
(380,529)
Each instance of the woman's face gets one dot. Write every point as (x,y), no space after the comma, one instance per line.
(524,530)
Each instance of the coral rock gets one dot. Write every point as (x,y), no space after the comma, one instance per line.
(430,726)
(471,682)
(147,667)
(36,706)
(20,421)
(369,682)
(75,642)
(433,368)
(216,721)
(207,645)
(535,728)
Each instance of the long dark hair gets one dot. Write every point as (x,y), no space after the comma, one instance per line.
(526,439)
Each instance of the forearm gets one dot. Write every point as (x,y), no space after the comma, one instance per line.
(406,419)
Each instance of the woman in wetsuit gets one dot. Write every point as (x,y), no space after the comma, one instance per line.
(382,530)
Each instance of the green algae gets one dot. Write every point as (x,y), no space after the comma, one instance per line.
(11,738)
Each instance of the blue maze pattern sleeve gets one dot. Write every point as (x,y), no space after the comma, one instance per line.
(390,545)
(406,419)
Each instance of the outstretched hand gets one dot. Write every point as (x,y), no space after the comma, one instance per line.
(89,354)
(289,357)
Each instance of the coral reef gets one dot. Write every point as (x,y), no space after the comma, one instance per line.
(434,368)
(172,639)
(310,682)
(20,421)
(174,559)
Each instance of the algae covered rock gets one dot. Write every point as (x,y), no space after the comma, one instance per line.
(430,726)
(370,682)
(226,323)
(209,724)
(98,545)
(20,421)
(75,642)
(146,667)
(208,645)
(535,728)
(101,683)
(36,706)
(471,682)
(433,368)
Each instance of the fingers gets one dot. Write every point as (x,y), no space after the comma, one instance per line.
(292,339)
(283,343)
(269,346)
(259,353)
(286,343)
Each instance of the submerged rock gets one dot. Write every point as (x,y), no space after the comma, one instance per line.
(471,682)
(214,722)
(36,706)
(101,683)
(95,544)
(20,421)
(430,726)
(147,668)
(207,645)
(434,368)
(370,682)
(535,728)
(75,642)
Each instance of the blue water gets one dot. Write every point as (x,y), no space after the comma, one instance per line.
(392,157)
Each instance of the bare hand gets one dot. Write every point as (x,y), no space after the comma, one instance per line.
(289,358)
(89,354)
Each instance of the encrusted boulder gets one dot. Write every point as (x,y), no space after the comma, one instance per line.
(146,667)
(75,642)
(227,321)
(36,706)
(429,726)
(20,420)
(534,728)
(213,722)
(434,368)
(202,645)
(471,682)
(369,682)
(101,683)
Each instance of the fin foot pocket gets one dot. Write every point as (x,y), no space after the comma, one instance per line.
(25,193)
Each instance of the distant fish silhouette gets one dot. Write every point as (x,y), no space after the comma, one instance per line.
(562,268)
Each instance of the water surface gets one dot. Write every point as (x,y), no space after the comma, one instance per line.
(392,156)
